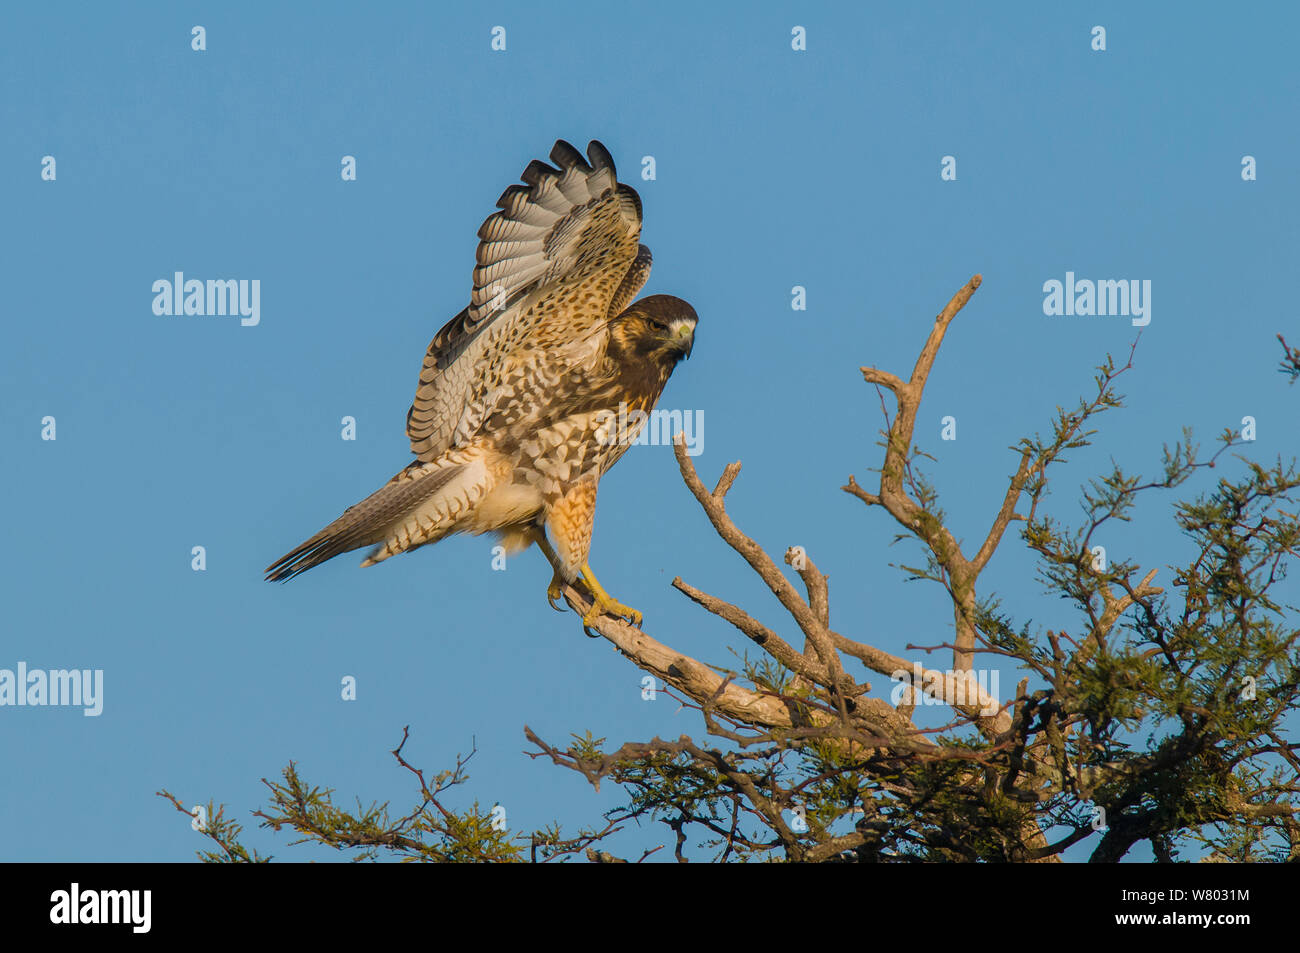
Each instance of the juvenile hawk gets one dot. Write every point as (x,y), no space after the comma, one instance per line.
(517,412)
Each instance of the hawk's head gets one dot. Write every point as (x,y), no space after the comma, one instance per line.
(659,329)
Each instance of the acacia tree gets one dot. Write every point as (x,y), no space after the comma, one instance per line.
(1156,716)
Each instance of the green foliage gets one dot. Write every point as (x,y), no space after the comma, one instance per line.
(429,832)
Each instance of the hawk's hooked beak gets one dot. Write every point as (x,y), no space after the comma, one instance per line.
(683,337)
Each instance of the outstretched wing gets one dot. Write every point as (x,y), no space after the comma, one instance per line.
(561,251)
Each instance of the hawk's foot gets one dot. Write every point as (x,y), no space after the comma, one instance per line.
(602,603)
(555,591)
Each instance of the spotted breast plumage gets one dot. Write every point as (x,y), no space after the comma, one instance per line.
(517,412)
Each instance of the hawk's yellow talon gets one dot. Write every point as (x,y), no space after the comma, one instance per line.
(602,603)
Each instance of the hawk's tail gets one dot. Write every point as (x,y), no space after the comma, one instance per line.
(367,522)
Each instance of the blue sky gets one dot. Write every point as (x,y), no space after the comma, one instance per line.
(775,168)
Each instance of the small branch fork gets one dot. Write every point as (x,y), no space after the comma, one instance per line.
(961,572)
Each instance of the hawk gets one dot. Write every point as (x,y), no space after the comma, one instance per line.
(525,397)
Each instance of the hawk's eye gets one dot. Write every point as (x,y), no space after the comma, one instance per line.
(658,325)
